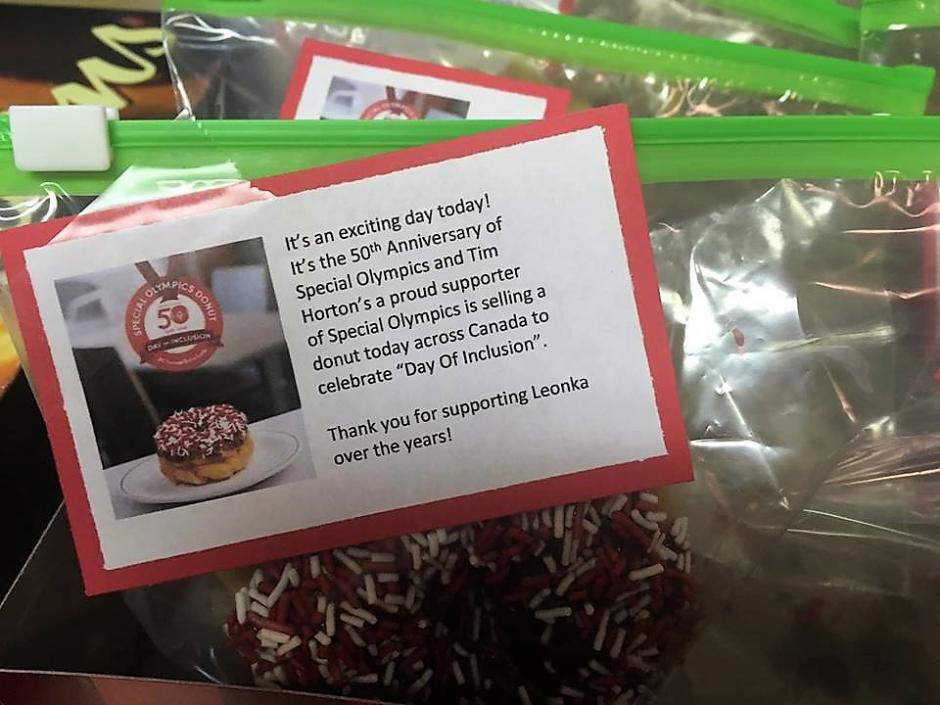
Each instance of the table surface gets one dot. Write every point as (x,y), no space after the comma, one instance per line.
(299,469)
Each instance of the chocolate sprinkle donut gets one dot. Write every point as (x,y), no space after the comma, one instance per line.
(200,432)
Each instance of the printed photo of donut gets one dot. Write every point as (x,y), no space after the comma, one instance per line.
(351,99)
(203,444)
(187,377)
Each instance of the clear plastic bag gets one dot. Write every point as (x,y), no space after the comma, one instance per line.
(800,319)
(818,29)
(843,607)
(225,65)
(794,310)
(900,32)
(896,32)
(51,203)
(565,6)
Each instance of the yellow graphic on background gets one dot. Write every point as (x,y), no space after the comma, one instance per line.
(100,73)
(9,363)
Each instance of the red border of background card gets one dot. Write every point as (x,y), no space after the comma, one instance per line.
(556,99)
(675,466)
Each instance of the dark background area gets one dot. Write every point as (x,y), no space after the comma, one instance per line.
(29,486)
(41,50)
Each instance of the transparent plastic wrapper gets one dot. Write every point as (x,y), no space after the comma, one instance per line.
(798,317)
(564,6)
(843,609)
(807,25)
(896,32)
(801,318)
(901,32)
(853,612)
(229,65)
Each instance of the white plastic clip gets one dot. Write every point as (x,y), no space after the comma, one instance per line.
(61,137)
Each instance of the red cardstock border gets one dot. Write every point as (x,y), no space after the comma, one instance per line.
(556,99)
(582,485)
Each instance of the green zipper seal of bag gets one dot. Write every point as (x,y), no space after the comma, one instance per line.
(885,15)
(608,46)
(668,151)
(824,20)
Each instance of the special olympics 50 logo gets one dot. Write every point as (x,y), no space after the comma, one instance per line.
(174,323)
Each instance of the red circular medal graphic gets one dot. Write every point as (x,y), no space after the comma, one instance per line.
(389,110)
(174,323)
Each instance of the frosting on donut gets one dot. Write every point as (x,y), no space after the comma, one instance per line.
(200,432)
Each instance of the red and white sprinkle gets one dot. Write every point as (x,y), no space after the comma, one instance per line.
(647,572)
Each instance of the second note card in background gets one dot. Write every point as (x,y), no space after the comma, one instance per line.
(333,82)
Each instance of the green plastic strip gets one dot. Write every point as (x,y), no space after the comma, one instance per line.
(824,20)
(674,150)
(608,46)
(883,15)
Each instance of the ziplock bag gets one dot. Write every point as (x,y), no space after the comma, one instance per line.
(563,6)
(845,600)
(816,26)
(848,604)
(229,63)
(793,281)
(825,21)
(901,32)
